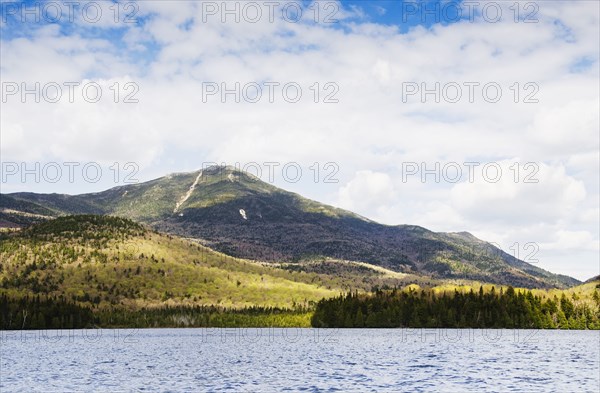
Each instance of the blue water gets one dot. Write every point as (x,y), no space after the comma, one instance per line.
(265,360)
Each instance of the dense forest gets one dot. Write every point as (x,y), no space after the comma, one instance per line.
(519,309)
(43,313)
(428,309)
(40,312)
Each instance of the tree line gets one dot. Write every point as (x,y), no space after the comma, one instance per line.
(52,312)
(508,309)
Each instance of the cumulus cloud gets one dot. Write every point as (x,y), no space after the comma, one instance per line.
(516,193)
(369,132)
(367,189)
(567,128)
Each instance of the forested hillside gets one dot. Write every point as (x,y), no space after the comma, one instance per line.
(88,270)
(55,273)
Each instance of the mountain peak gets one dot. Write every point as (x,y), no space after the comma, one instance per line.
(218,173)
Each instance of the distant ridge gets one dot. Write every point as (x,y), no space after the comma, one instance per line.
(593,279)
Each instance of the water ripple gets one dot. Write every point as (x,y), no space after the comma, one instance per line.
(190,360)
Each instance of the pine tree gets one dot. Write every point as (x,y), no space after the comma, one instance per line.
(360,319)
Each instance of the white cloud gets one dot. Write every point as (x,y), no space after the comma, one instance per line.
(573,240)
(567,128)
(522,194)
(367,190)
(369,133)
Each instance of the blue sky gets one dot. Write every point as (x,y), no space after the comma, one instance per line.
(546,115)
(390,12)
(401,15)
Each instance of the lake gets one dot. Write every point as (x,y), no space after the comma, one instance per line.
(265,360)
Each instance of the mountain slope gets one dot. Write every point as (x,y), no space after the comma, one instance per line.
(106,261)
(236,213)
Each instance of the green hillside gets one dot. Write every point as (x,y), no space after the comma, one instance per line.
(104,261)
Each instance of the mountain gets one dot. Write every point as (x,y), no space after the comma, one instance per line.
(105,261)
(238,214)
